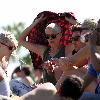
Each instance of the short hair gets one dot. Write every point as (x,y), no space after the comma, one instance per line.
(89,24)
(8,39)
(72,87)
(23,68)
(26,69)
(55,27)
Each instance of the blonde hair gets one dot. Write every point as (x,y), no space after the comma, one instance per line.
(8,39)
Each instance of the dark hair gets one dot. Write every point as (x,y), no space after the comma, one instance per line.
(17,70)
(74,29)
(23,68)
(71,87)
(26,71)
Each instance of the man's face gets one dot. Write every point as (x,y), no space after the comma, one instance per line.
(52,36)
(76,39)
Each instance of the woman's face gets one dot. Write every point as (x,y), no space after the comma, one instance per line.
(4,49)
(52,36)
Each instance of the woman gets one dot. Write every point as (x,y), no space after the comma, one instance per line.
(53,35)
(8,44)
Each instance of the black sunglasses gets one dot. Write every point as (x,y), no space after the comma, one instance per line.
(10,48)
(76,38)
(53,36)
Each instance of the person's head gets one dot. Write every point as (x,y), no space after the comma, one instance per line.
(88,26)
(98,33)
(23,70)
(72,87)
(53,34)
(8,43)
(76,33)
(26,69)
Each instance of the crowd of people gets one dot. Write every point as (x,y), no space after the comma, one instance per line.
(68,71)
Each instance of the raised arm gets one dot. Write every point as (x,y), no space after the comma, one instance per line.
(39,49)
(81,55)
(95,48)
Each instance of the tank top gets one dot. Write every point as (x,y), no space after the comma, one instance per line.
(46,56)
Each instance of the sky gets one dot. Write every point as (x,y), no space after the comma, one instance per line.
(14,11)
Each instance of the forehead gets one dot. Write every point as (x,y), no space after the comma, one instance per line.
(50,31)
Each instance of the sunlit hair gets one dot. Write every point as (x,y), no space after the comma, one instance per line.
(89,23)
(8,39)
(54,27)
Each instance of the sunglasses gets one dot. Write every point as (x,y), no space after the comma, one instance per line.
(53,36)
(84,29)
(76,38)
(10,48)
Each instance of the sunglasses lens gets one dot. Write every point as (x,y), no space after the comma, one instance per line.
(75,38)
(53,36)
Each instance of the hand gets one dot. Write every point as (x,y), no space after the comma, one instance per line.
(49,66)
(71,20)
(40,19)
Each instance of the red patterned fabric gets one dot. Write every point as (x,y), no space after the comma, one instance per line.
(37,35)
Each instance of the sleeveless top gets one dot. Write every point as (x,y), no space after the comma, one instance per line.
(46,56)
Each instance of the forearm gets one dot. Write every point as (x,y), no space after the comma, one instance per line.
(95,57)
(81,55)
(87,80)
(25,33)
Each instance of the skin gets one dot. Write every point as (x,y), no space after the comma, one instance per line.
(4,58)
(39,49)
